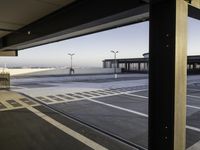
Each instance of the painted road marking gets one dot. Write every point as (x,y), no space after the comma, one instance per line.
(84,95)
(117,107)
(195,107)
(55,98)
(52,99)
(196,146)
(2,106)
(28,101)
(114,94)
(92,93)
(90,143)
(101,93)
(74,95)
(109,91)
(14,108)
(140,96)
(193,96)
(8,106)
(105,91)
(43,99)
(64,97)
(132,111)
(13,103)
(190,106)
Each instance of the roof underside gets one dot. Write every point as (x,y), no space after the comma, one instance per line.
(15,14)
(28,23)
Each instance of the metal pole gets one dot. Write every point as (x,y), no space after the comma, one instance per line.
(71,69)
(71,61)
(115,63)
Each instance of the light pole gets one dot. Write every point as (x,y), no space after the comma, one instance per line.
(71,69)
(115,63)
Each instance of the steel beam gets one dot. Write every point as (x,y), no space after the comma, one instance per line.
(80,18)
(194,12)
(167,74)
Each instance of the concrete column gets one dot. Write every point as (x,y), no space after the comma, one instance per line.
(167,74)
(104,64)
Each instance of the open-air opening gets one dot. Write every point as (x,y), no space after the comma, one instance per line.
(92,93)
(100,80)
(117,77)
(192,121)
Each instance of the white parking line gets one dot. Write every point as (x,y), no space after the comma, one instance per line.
(193,96)
(190,106)
(115,94)
(196,146)
(72,133)
(195,107)
(193,128)
(117,107)
(140,96)
(134,112)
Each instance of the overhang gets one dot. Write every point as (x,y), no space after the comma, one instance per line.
(45,21)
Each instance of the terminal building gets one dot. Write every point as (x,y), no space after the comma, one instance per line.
(140,65)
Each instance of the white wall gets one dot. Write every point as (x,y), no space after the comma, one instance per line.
(50,71)
(24,70)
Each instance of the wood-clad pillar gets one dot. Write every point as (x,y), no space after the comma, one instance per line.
(167,74)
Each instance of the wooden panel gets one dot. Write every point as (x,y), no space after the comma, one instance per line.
(9,53)
(180,75)
(194,3)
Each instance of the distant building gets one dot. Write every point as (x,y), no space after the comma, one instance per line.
(141,65)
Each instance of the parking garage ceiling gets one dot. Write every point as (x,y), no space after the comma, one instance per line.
(29,23)
(15,14)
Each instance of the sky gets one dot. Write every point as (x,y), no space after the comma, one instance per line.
(131,41)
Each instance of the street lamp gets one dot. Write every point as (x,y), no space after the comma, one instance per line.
(115,63)
(71,69)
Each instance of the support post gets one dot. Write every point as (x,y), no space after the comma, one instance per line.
(167,74)
(128,66)
(139,66)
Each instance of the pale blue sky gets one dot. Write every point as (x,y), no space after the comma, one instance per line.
(131,41)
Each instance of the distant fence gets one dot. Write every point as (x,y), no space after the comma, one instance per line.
(4,80)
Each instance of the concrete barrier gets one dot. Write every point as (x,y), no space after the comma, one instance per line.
(50,71)
(4,80)
(21,71)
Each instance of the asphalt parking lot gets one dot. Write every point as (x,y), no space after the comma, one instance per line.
(114,117)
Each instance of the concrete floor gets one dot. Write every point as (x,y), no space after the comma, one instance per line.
(118,107)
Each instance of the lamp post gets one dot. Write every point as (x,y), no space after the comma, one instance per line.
(71,69)
(115,63)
